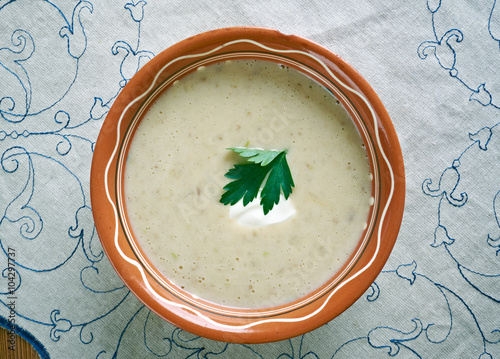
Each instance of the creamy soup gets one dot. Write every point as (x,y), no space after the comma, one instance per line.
(174,178)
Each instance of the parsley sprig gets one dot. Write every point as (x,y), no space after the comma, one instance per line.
(249,177)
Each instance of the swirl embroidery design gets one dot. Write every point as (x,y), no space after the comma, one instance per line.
(50,253)
(467,226)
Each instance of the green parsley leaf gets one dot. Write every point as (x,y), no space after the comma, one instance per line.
(249,177)
(256,155)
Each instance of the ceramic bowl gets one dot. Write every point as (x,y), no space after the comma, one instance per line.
(196,315)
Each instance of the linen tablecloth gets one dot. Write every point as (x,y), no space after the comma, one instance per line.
(434,64)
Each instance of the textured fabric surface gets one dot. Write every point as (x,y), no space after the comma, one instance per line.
(435,66)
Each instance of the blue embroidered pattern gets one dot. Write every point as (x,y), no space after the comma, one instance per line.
(68,298)
(467,190)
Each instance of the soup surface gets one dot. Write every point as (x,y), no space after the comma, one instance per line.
(174,178)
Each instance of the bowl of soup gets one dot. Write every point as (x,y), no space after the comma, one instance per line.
(247,186)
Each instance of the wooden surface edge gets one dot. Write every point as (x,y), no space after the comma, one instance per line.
(13,346)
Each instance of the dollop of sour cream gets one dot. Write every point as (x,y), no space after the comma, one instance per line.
(252,214)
